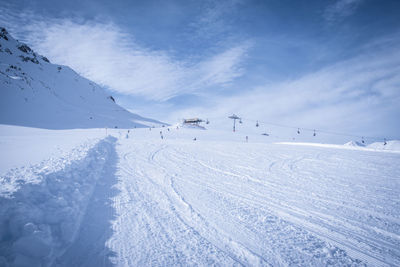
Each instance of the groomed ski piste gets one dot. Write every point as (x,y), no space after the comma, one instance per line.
(91,198)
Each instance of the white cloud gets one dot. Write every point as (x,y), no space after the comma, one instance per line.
(221,69)
(212,22)
(341,9)
(358,96)
(104,53)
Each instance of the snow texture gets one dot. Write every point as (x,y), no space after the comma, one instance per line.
(40,221)
(135,199)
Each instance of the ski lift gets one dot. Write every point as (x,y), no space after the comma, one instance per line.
(298,130)
(257,124)
(314,133)
(234,118)
(384,142)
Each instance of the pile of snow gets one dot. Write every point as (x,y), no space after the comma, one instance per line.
(51,149)
(36,93)
(41,219)
(354,144)
(376,147)
(393,145)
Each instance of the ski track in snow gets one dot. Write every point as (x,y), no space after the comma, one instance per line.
(269,205)
(46,219)
(153,202)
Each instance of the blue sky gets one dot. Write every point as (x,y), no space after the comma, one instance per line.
(331,65)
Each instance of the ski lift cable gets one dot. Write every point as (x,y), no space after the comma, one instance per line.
(315,130)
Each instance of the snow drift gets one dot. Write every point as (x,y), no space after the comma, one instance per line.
(390,145)
(354,144)
(36,93)
(39,222)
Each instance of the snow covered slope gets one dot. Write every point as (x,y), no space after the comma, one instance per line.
(392,145)
(36,93)
(135,199)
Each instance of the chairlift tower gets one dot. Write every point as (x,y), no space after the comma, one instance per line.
(234,118)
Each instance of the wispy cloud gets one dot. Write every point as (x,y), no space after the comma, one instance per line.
(212,22)
(222,68)
(341,9)
(359,95)
(104,53)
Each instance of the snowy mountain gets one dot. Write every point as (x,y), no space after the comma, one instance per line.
(37,93)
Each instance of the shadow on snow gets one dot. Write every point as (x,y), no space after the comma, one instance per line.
(66,219)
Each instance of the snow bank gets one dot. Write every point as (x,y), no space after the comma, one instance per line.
(57,146)
(393,145)
(390,145)
(40,220)
(377,147)
(354,144)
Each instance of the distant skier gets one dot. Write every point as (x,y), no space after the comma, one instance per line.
(247,139)
(162,137)
(194,139)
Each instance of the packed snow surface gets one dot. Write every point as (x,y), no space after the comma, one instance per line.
(134,199)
